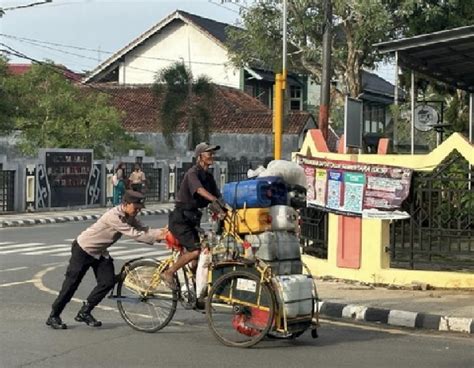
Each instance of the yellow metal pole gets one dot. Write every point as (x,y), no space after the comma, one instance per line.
(280,85)
(277,117)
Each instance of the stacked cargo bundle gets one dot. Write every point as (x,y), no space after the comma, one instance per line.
(266,216)
(266,220)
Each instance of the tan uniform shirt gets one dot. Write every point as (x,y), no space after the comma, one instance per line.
(137,177)
(109,228)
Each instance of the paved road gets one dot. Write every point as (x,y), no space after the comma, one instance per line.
(29,282)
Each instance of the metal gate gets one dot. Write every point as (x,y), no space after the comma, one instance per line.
(7,190)
(314,232)
(440,233)
(237,169)
(153,179)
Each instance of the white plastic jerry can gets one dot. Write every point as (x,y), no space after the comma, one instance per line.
(305,295)
(288,246)
(284,218)
(289,289)
(266,245)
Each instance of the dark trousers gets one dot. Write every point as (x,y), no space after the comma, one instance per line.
(79,264)
(183,224)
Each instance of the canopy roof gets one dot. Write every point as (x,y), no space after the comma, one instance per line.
(447,56)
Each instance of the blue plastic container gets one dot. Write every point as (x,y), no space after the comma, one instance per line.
(248,193)
(279,189)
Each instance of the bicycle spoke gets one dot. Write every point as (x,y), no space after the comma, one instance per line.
(240,309)
(154,307)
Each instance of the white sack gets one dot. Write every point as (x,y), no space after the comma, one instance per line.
(202,271)
(291,172)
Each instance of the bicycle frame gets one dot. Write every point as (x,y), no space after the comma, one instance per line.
(240,259)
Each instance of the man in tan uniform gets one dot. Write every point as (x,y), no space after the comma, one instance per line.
(90,250)
(137,179)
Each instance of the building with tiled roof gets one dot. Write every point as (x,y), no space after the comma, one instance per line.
(201,44)
(237,120)
(20,69)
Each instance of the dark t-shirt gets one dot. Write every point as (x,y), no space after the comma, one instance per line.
(196,177)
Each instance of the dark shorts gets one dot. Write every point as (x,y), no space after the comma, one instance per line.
(183,224)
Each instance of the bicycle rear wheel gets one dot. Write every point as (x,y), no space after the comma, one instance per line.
(145,308)
(240,309)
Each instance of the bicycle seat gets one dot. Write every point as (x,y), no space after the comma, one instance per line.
(172,242)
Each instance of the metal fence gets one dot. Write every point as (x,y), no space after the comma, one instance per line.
(439,235)
(7,190)
(153,179)
(314,232)
(237,169)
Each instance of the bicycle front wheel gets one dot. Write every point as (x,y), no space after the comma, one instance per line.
(240,309)
(143,306)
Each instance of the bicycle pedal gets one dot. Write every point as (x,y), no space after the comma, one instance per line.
(189,306)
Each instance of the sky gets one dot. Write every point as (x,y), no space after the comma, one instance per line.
(102,26)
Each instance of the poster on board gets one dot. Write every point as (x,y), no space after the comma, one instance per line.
(356,189)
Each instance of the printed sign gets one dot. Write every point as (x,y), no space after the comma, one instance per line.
(334,189)
(320,185)
(353,191)
(309,173)
(356,189)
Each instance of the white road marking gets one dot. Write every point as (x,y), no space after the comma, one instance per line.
(3,243)
(16,283)
(22,245)
(38,282)
(158,253)
(62,254)
(113,253)
(128,241)
(48,250)
(35,248)
(56,250)
(13,269)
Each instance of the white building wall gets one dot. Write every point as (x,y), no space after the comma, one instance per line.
(179,41)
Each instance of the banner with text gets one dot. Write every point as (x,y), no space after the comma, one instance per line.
(356,189)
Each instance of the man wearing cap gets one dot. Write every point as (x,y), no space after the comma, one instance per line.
(89,250)
(197,190)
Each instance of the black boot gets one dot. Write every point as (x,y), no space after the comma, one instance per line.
(55,322)
(84,315)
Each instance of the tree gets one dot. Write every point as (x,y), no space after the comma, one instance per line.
(7,106)
(357,25)
(184,97)
(428,16)
(434,15)
(51,112)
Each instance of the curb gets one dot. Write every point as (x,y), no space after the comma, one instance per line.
(394,317)
(61,219)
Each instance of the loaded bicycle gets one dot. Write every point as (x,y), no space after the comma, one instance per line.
(246,301)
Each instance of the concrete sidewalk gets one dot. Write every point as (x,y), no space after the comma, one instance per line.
(412,307)
(51,217)
(440,310)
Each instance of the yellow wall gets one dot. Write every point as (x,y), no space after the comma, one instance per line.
(375,233)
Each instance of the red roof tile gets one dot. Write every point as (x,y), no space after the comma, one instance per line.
(19,69)
(232,111)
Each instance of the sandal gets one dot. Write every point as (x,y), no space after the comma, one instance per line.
(168,281)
